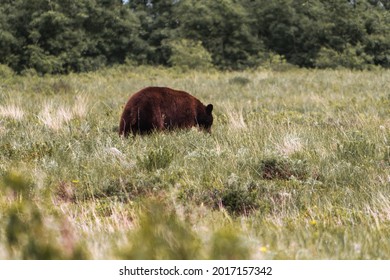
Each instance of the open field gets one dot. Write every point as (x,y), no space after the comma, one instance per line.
(297,167)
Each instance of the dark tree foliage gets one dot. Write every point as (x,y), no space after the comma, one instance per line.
(300,29)
(224,27)
(61,36)
(158,23)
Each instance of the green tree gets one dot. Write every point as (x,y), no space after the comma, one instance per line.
(224,28)
(112,30)
(158,23)
(377,39)
(356,33)
(59,36)
(303,31)
(8,41)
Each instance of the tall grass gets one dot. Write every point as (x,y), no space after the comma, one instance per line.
(297,167)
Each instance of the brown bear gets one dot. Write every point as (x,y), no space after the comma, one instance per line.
(162,108)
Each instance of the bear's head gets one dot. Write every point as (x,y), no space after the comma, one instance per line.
(205,120)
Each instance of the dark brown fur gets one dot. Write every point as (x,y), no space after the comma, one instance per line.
(161,108)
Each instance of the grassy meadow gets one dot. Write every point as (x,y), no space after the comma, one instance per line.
(297,167)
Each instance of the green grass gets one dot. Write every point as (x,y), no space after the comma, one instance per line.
(297,167)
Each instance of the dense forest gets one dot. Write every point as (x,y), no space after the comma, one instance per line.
(61,36)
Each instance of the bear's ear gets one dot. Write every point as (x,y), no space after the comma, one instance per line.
(209,109)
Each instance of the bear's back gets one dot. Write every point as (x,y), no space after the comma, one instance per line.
(160,93)
(164,98)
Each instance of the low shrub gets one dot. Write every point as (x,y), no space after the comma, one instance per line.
(283,169)
(237,197)
(5,72)
(352,57)
(239,80)
(189,55)
(158,158)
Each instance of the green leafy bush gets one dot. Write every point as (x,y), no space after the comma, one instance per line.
(275,62)
(5,72)
(188,54)
(352,57)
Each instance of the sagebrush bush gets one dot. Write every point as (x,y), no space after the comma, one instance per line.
(156,158)
(239,199)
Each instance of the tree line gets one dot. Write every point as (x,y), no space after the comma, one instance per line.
(61,36)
